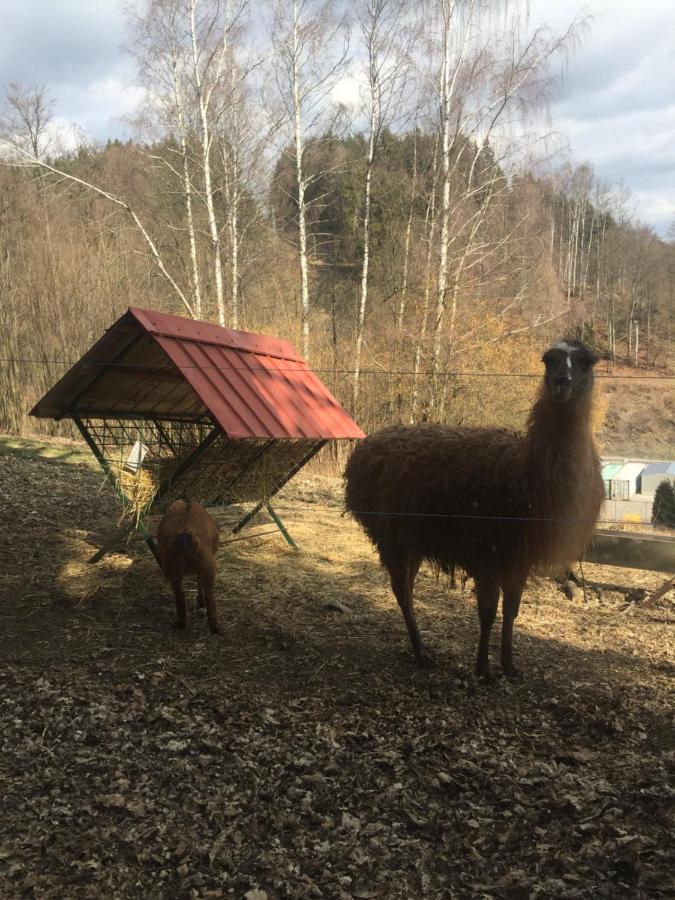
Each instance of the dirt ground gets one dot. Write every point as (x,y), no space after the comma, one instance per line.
(302,753)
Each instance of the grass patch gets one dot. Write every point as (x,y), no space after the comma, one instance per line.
(59,450)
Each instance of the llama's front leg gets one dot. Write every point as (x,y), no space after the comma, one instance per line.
(402,582)
(510,607)
(487,595)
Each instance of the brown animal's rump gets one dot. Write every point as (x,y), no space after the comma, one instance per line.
(496,503)
(187,543)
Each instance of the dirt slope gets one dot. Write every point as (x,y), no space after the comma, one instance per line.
(640,417)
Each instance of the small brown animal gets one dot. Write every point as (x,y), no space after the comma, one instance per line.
(187,542)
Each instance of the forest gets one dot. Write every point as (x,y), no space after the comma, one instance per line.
(374,184)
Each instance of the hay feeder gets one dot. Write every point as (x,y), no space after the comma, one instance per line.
(173,407)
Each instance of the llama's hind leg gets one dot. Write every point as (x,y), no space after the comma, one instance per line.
(402,582)
(510,607)
(487,595)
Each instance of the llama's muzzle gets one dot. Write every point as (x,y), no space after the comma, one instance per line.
(562,388)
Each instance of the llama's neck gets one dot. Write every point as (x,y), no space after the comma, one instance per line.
(560,447)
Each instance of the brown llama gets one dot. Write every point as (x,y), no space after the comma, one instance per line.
(187,543)
(496,503)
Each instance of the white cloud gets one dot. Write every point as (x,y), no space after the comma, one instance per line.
(615,104)
(72,47)
(616,100)
(100,106)
(349,89)
(652,207)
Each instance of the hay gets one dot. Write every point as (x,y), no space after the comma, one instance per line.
(137,489)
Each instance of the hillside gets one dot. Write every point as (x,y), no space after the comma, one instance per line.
(640,417)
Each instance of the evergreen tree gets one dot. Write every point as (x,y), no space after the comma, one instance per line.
(663,510)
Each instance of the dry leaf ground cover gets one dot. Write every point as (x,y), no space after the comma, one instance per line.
(301,753)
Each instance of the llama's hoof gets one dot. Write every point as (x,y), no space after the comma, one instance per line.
(215,629)
(426,659)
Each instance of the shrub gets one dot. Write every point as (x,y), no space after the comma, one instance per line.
(663,509)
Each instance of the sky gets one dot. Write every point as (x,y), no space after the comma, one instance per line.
(616,103)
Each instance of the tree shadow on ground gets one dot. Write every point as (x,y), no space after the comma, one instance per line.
(323,616)
(55,451)
(309,730)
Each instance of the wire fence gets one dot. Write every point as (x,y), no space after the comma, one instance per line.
(404,514)
(333,371)
(441,373)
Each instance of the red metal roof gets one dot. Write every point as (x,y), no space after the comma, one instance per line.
(253,386)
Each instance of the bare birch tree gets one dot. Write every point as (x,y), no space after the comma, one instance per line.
(309,50)
(160,46)
(185,54)
(430,225)
(486,71)
(210,27)
(26,122)
(243,136)
(383,32)
(18,152)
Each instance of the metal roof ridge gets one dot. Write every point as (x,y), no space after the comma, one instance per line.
(216,335)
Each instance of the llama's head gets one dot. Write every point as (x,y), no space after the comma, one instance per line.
(569,370)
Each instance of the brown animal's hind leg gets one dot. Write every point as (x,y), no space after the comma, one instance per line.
(487,594)
(211,612)
(205,583)
(201,596)
(510,607)
(181,604)
(402,582)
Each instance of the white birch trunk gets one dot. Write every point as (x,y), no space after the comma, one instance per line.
(233,225)
(406,253)
(447,89)
(206,140)
(431,234)
(300,182)
(363,298)
(637,341)
(584,281)
(570,245)
(187,182)
(232,176)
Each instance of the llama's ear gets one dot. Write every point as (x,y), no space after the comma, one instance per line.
(587,358)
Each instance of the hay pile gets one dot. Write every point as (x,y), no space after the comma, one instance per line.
(137,488)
